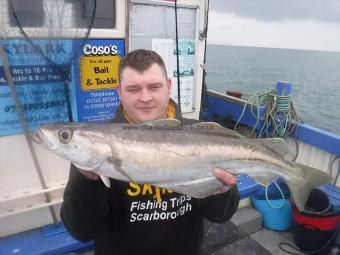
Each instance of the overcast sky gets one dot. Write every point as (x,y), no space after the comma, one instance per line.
(292,24)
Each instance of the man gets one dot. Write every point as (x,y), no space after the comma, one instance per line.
(130,218)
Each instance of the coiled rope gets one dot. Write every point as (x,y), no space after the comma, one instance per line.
(279,119)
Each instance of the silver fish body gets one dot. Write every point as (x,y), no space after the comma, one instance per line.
(180,159)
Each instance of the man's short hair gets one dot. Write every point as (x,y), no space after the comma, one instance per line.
(141,60)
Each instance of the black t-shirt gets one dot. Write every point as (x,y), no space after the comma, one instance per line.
(130,218)
(151,220)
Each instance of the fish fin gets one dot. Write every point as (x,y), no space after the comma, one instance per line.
(214,128)
(265,178)
(83,167)
(162,123)
(311,178)
(277,145)
(105,180)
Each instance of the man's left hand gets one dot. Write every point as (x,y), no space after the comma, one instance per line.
(225,177)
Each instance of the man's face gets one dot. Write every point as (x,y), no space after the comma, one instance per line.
(144,96)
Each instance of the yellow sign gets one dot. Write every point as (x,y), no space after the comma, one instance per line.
(99,72)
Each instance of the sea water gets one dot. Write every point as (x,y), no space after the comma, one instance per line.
(315,77)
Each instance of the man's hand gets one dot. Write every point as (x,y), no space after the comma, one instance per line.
(225,177)
(90,175)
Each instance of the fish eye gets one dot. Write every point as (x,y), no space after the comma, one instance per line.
(65,135)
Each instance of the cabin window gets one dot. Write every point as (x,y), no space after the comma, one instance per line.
(30,13)
(65,14)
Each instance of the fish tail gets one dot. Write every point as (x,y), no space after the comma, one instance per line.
(311,178)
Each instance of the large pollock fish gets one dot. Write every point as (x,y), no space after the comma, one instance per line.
(178,158)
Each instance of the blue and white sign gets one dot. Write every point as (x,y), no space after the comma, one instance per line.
(39,85)
(99,102)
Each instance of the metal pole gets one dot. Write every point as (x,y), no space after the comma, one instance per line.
(177,55)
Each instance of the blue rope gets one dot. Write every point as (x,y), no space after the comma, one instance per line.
(281,192)
(279,119)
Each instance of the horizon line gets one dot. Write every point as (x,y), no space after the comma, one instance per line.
(268,47)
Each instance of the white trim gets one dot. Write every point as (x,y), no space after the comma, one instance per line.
(31,207)
(180,4)
(117,32)
(29,192)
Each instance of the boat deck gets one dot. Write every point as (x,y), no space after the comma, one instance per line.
(244,234)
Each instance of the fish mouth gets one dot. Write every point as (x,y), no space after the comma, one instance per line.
(36,138)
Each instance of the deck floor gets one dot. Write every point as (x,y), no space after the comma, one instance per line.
(270,240)
(229,239)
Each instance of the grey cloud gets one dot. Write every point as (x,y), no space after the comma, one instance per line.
(277,10)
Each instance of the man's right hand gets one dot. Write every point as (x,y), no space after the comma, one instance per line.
(90,175)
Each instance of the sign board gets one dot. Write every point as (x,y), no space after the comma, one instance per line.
(166,48)
(40,84)
(96,94)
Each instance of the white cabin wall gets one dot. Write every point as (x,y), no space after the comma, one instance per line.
(21,194)
(313,157)
(17,170)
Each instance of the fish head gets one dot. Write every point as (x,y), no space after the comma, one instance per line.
(78,143)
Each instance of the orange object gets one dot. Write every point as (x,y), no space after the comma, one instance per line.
(234,93)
